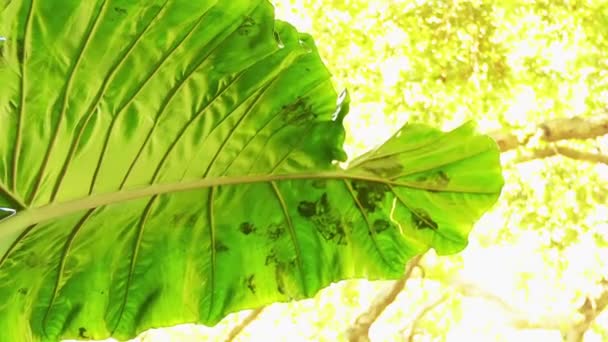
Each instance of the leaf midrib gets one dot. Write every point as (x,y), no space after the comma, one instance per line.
(34,215)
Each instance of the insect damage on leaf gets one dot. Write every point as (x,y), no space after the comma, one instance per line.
(246,26)
(438,179)
(422,220)
(250,283)
(247,228)
(307,209)
(275,231)
(370,194)
(298,112)
(381,225)
(326,221)
(221,247)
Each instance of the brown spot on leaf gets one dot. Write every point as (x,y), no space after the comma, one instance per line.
(422,220)
(82,332)
(381,225)
(247,228)
(250,282)
(370,194)
(307,209)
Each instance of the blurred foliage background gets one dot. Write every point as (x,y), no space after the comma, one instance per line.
(536,268)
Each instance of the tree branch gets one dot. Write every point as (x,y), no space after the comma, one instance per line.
(591,308)
(423,312)
(566,152)
(554,130)
(359,331)
(518,318)
(241,326)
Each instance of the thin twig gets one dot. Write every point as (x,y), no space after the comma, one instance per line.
(423,312)
(359,331)
(241,326)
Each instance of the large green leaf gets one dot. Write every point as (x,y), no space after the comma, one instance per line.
(164,162)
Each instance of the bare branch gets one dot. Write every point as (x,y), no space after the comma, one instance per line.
(241,326)
(423,312)
(554,130)
(566,152)
(518,318)
(359,331)
(575,128)
(591,308)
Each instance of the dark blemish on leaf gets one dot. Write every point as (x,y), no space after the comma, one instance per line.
(13,106)
(247,228)
(332,230)
(221,247)
(121,11)
(443,178)
(422,178)
(422,220)
(82,332)
(437,179)
(323,205)
(22,291)
(370,194)
(278,275)
(307,209)
(191,222)
(277,38)
(319,184)
(298,112)
(250,282)
(246,26)
(275,231)
(381,225)
(176,218)
(327,223)
(271,258)
(388,169)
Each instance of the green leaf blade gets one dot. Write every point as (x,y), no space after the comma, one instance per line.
(163,176)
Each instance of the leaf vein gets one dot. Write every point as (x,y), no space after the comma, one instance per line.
(292,235)
(66,249)
(263,148)
(99,95)
(22,85)
(136,245)
(92,27)
(153,72)
(187,125)
(168,99)
(370,228)
(234,129)
(213,253)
